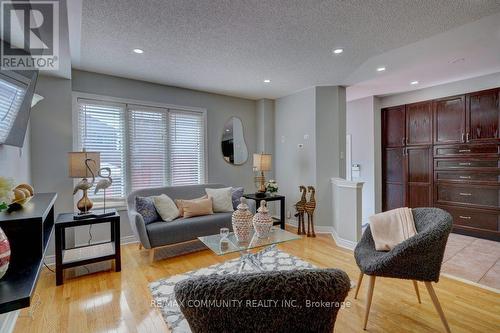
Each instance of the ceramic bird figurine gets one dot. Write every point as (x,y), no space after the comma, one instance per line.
(105,182)
(83,185)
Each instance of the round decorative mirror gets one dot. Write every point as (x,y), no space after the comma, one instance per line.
(234,148)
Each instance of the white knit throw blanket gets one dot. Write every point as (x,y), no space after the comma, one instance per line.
(391,228)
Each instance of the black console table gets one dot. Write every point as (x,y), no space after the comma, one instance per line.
(28,231)
(86,254)
(268,197)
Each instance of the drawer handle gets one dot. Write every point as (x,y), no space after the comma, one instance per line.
(464,177)
(465,194)
(464,163)
(464,150)
(465,217)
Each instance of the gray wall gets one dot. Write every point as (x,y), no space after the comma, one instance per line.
(363,122)
(219,109)
(295,117)
(310,144)
(15,162)
(52,135)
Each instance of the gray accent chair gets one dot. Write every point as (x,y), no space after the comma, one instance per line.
(160,234)
(296,287)
(418,258)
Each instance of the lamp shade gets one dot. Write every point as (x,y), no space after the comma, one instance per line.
(262,162)
(77,167)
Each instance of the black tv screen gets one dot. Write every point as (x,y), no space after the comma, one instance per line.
(16,93)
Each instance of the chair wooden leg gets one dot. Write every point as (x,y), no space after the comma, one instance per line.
(369,295)
(360,279)
(415,285)
(151,255)
(435,300)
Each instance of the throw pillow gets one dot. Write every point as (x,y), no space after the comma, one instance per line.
(146,207)
(222,199)
(166,207)
(180,203)
(198,207)
(236,194)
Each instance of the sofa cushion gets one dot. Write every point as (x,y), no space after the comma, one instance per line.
(197,207)
(222,199)
(180,204)
(177,231)
(146,207)
(166,207)
(236,194)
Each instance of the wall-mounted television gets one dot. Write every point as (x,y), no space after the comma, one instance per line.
(16,94)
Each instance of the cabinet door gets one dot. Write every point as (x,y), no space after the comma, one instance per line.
(449,120)
(393,178)
(483,115)
(419,176)
(419,123)
(393,126)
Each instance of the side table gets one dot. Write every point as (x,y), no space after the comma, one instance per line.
(267,198)
(86,254)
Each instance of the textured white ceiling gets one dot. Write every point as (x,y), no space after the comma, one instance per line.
(229,47)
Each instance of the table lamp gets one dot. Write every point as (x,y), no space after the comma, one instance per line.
(261,162)
(84,164)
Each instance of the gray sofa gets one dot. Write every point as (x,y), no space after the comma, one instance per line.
(157,234)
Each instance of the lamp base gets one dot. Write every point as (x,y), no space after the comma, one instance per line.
(84,205)
(260,194)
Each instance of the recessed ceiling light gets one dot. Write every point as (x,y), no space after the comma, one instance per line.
(138,51)
(380,69)
(228,130)
(338,51)
(414,82)
(267,81)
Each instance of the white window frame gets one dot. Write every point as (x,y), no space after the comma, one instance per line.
(108,99)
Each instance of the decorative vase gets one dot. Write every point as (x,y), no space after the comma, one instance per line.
(4,253)
(242,222)
(262,221)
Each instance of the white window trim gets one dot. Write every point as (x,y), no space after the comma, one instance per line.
(102,98)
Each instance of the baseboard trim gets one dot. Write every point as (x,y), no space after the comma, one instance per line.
(50,260)
(321,229)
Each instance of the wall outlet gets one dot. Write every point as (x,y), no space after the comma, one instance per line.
(288,214)
(306,136)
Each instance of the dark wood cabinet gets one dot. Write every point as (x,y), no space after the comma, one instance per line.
(394,182)
(419,124)
(394,127)
(419,176)
(449,120)
(449,158)
(483,116)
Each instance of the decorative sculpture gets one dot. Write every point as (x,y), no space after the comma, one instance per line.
(310,207)
(300,207)
(104,183)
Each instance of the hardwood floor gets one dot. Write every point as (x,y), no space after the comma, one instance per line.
(120,302)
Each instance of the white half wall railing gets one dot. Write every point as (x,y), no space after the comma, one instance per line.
(347,212)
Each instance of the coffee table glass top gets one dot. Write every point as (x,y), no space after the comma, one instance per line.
(277,235)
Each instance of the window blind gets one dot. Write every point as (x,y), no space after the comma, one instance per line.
(186,147)
(102,129)
(11,98)
(148,146)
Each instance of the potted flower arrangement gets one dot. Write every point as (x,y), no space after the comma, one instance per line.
(272,187)
(6,185)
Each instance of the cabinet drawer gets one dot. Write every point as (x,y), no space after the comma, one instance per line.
(465,150)
(473,195)
(473,218)
(467,176)
(450,164)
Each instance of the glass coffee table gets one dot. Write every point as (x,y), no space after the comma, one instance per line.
(253,259)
